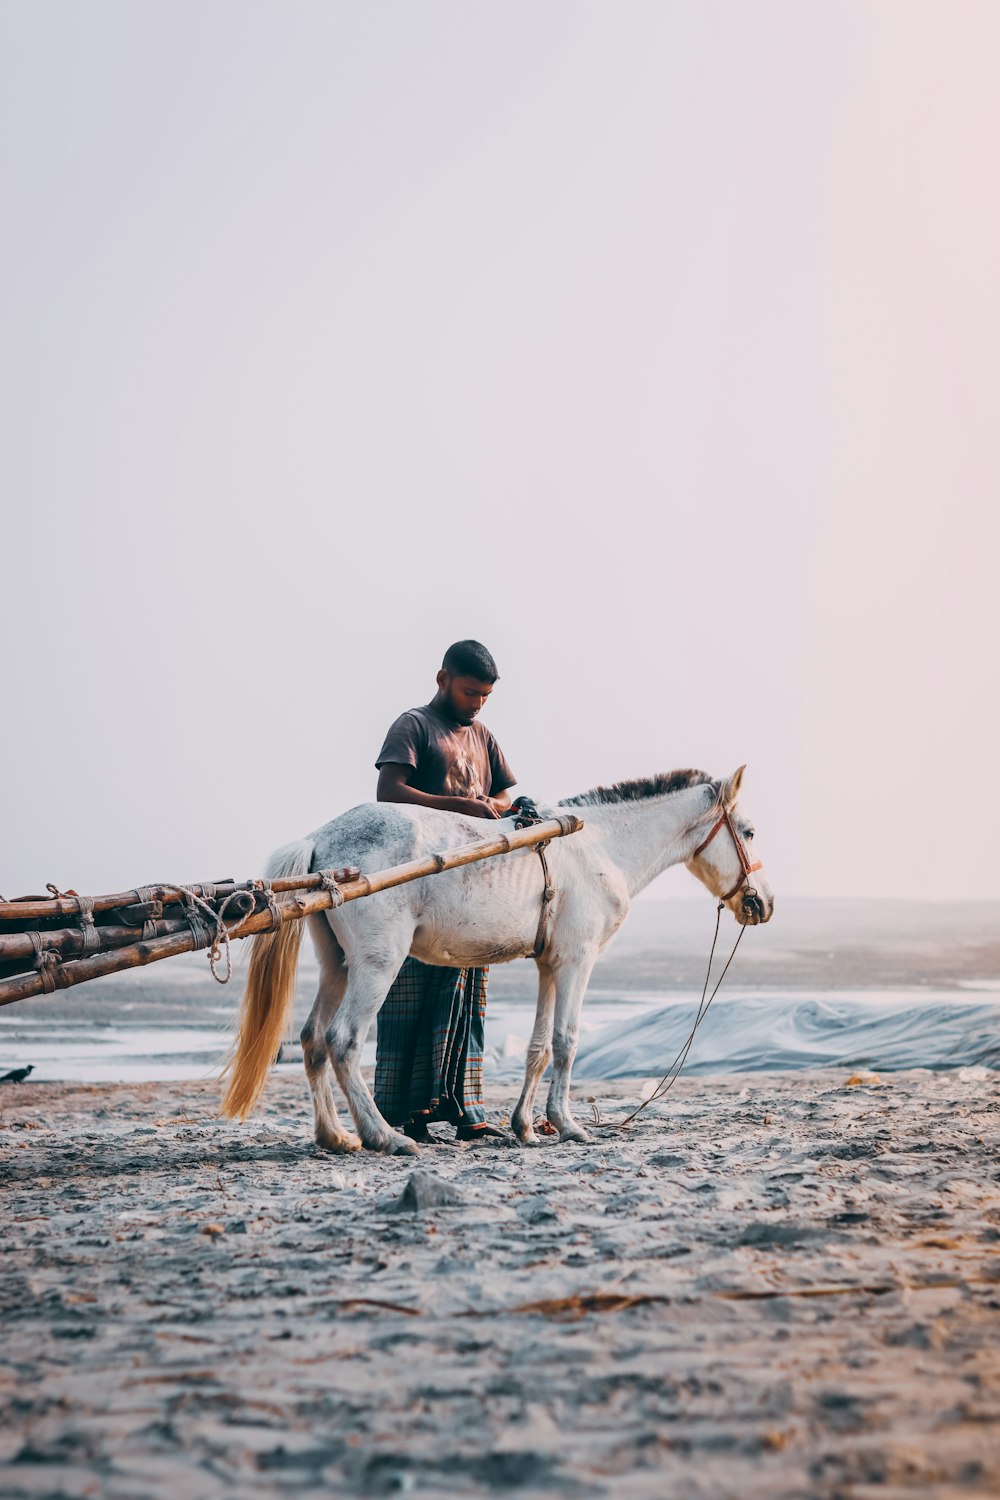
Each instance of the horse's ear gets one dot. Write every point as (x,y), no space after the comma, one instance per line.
(730,791)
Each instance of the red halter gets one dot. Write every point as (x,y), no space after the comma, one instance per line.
(744,857)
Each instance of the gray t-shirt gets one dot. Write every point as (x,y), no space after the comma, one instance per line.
(447,759)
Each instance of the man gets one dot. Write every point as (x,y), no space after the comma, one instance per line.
(431,1029)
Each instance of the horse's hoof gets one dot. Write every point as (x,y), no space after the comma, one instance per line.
(575,1133)
(339,1143)
(399,1145)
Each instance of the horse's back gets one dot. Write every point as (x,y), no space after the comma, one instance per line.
(375,835)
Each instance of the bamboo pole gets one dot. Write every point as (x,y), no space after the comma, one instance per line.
(32,908)
(304,896)
(35,907)
(18,945)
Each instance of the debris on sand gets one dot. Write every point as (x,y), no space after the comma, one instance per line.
(424,1190)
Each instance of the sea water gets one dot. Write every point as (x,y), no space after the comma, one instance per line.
(872,985)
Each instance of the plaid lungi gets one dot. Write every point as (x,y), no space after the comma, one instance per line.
(429,1055)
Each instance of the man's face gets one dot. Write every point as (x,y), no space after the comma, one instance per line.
(464,696)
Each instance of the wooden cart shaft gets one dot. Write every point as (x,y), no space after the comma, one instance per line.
(298,897)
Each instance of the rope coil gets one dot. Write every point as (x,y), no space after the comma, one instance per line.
(210,930)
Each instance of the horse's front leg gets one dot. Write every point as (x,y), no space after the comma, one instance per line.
(571,986)
(537,1060)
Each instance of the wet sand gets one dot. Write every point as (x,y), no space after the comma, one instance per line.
(776,1285)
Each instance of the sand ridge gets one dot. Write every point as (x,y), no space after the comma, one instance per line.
(783,1285)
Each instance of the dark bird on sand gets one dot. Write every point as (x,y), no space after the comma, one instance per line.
(17,1075)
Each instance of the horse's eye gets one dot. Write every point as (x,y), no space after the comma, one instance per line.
(749,834)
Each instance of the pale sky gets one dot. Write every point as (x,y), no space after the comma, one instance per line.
(655,345)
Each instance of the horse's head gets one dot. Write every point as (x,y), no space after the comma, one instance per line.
(725,858)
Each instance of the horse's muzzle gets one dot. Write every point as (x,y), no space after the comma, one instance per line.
(753,907)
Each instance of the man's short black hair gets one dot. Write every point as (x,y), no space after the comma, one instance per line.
(470,659)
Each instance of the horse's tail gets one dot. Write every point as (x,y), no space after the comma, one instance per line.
(268,996)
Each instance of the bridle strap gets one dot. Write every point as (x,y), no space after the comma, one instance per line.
(748,869)
(705,842)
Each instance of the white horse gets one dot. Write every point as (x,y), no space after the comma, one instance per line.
(480,914)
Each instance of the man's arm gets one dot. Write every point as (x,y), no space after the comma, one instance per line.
(502,778)
(394,787)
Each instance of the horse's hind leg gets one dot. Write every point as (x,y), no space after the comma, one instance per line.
(368,984)
(571,986)
(330,1133)
(537,1060)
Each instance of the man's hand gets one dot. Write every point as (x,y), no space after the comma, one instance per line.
(473,807)
(394,787)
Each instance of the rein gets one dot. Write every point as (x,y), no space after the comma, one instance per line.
(750,903)
(672,1074)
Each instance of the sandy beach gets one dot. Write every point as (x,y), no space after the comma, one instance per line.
(418,417)
(777,1285)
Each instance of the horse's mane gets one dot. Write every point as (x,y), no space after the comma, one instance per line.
(640,789)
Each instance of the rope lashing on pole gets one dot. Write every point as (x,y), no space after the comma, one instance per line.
(46,962)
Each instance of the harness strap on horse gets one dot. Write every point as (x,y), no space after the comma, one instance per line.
(547,894)
(525,813)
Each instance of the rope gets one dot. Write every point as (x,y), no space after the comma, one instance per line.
(91,937)
(214,934)
(548,894)
(272,906)
(205,936)
(208,925)
(672,1074)
(46,962)
(85,908)
(328,883)
(145,897)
